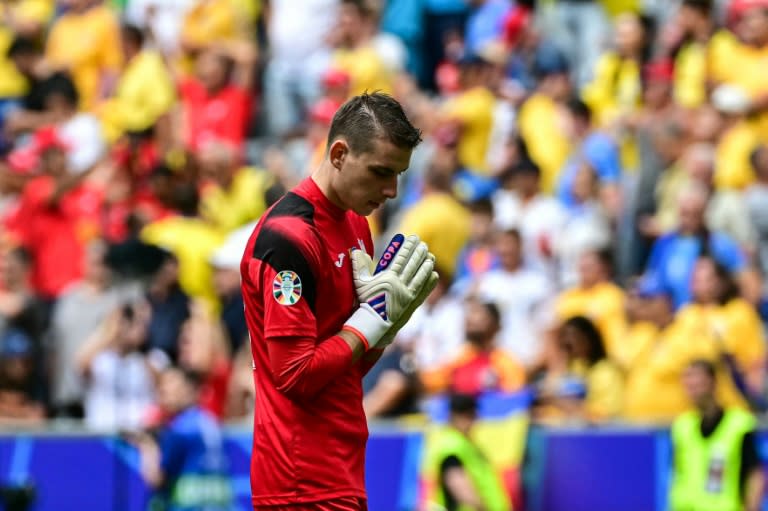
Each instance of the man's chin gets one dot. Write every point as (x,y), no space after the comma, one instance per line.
(367,209)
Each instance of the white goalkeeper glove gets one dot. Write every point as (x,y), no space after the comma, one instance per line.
(390,293)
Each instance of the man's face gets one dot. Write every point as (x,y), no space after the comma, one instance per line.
(705,284)
(754,26)
(691,214)
(479,325)
(174,393)
(698,384)
(509,251)
(365,180)
(590,270)
(25,63)
(211,70)
(350,23)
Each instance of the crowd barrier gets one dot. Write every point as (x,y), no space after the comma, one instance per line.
(603,469)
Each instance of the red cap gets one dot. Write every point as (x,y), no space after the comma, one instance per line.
(517,20)
(659,71)
(738,7)
(324,110)
(334,78)
(48,138)
(25,159)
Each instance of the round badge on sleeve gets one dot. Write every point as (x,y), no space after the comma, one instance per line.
(286,287)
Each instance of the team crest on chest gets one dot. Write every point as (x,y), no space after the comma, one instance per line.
(286,288)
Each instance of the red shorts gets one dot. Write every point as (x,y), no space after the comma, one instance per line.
(340,504)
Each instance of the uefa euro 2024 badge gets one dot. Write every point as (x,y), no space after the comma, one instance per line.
(286,287)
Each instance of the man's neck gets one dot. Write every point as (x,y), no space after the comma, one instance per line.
(710,410)
(702,33)
(485,346)
(322,178)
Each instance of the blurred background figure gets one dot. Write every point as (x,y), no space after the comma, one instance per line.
(184,462)
(726,473)
(462,475)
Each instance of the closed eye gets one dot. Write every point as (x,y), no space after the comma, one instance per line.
(384,172)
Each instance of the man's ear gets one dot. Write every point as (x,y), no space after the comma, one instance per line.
(338,153)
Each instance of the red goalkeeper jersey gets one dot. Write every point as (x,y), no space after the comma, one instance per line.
(309,427)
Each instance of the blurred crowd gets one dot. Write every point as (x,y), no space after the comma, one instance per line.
(593,183)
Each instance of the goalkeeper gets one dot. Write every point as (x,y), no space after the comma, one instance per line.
(320,311)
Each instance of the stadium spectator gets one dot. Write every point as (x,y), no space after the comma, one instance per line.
(216,100)
(391,388)
(85,42)
(208,23)
(439,219)
(186,464)
(654,357)
(160,20)
(20,403)
(203,350)
(144,93)
(56,216)
(696,28)
(241,396)
(435,332)
(119,380)
(481,365)
(673,255)
(226,280)
(615,92)
(726,328)
(540,219)
(231,194)
(470,111)
(595,297)
(297,32)
(594,150)
(478,255)
(539,117)
(580,28)
(20,309)
(355,52)
(522,295)
(582,383)
(169,304)
(191,239)
(25,20)
(755,197)
(78,313)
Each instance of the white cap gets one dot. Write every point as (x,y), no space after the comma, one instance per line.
(229,255)
(731,99)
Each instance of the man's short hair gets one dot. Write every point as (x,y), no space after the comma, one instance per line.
(482,206)
(23,46)
(133,34)
(63,86)
(755,156)
(364,7)
(489,307)
(369,116)
(462,404)
(706,366)
(192,376)
(705,7)
(579,109)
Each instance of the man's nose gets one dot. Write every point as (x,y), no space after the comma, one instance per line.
(390,190)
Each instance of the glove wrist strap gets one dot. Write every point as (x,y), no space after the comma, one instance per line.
(367,325)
